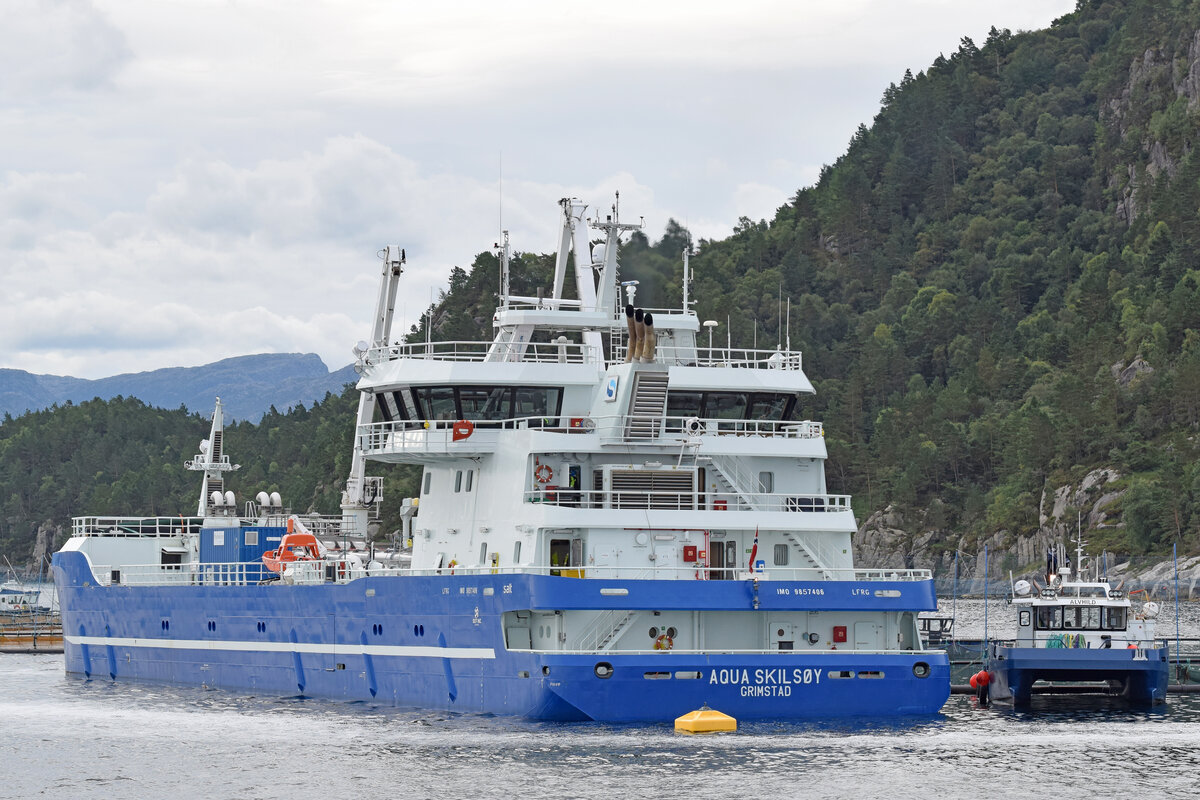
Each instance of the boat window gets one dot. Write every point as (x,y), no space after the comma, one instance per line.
(764,406)
(1115,618)
(766,482)
(516,552)
(470,479)
(1049,618)
(781,555)
(458,480)
(485,402)
(383,408)
(684,404)
(725,405)
(1093,591)
(410,406)
(1024,618)
(397,402)
(537,401)
(1081,618)
(483,553)
(437,402)
(428,482)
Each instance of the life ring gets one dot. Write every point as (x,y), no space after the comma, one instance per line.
(453,563)
(664,642)
(543,473)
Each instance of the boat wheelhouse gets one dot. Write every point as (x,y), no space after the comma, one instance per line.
(616,521)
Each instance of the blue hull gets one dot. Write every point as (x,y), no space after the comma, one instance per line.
(437,642)
(1139,675)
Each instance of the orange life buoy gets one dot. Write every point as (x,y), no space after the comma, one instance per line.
(543,473)
(462,430)
(664,642)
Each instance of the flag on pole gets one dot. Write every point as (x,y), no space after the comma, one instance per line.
(754,549)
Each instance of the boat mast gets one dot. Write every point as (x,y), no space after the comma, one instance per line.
(213,462)
(355,502)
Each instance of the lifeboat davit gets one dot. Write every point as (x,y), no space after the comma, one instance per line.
(293,547)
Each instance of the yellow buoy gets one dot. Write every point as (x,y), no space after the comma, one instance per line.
(705,720)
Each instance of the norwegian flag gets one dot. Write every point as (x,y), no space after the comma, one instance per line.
(754,549)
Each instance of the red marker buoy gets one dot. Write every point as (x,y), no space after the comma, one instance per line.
(985,678)
(974,681)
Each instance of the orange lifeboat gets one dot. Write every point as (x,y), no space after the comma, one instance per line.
(293,547)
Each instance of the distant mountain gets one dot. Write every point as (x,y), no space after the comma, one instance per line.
(247,385)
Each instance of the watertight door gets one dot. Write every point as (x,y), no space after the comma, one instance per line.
(868,636)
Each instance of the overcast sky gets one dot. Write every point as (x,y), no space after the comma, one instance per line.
(186,180)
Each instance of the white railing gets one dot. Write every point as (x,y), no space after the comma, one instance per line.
(710,501)
(334,570)
(437,435)
(577,353)
(134,526)
(727,357)
(536,352)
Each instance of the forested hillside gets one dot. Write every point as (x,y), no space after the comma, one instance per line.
(996,289)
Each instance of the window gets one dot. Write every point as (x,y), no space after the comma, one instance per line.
(516,552)
(1024,619)
(536,401)
(437,402)
(781,555)
(725,405)
(1049,618)
(428,481)
(251,538)
(771,406)
(681,405)
(483,553)
(458,481)
(1114,619)
(1081,618)
(470,479)
(485,402)
(766,482)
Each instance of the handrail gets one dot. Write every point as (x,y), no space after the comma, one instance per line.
(306,572)
(578,353)
(686,500)
(436,435)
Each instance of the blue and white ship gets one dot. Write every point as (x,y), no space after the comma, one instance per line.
(1080,630)
(614,523)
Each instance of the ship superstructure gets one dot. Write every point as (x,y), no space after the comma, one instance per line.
(616,521)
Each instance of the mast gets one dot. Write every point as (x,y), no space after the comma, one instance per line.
(355,502)
(213,462)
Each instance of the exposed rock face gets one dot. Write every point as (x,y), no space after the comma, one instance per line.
(1125,375)
(888,540)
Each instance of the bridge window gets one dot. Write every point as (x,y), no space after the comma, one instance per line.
(1114,619)
(485,402)
(774,407)
(437,402)
(1049,618)
(537,401)
(725,405)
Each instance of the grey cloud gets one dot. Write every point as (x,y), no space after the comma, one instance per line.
(48,46)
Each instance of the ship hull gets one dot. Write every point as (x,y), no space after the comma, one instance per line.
(1138,675)
(437,642)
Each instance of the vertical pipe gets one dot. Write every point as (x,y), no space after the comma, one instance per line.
(1175,556)
(985,602)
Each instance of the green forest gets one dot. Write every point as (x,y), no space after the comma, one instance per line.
(996,289)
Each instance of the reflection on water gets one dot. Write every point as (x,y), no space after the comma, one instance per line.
(62,737)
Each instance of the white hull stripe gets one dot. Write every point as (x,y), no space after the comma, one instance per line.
(289,647)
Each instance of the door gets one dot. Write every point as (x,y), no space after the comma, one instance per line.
(868,636)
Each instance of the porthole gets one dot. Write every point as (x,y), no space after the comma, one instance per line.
(603,670)
(921,669)
(672,632)
(653,633)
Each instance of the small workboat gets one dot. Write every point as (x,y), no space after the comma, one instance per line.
(1079,630)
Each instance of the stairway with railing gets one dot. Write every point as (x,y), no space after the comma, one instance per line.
(604,630)
(648,406)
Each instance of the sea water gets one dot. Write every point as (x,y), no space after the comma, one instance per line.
(70,738)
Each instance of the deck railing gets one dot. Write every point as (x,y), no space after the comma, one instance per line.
(679,501)
(577,353)
(437,436)
(335,570)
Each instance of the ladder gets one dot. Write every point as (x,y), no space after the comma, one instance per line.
(648,405)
